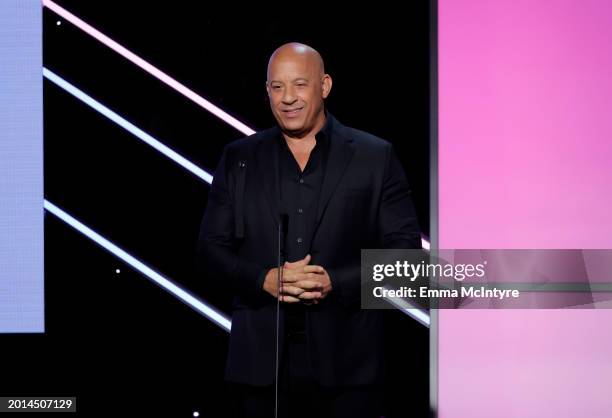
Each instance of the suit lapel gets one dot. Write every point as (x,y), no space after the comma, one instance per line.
(341,151)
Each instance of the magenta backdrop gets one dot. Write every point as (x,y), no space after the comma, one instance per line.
(525,161)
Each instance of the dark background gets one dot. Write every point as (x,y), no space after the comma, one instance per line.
(117,341)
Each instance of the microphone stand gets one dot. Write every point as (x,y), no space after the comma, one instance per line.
(282,231)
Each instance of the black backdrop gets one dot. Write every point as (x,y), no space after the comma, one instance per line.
(117,341)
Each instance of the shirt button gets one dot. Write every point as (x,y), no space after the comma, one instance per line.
(301,181)
(300,210)
(299,240)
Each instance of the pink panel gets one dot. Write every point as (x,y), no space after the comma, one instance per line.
(525,157)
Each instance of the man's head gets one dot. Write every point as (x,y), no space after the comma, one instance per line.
(297,85)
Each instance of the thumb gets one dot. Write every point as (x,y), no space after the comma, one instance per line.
(299,263)
(304,261)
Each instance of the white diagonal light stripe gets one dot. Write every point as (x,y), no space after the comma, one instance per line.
(130,127)
(148,67)
(425,243)
(409,309)
(209,312)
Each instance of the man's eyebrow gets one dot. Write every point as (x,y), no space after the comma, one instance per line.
(295,80)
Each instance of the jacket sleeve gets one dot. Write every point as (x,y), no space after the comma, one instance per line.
(216,254)
(397,220)
(397,223)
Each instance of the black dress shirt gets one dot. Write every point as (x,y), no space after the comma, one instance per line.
(299,194)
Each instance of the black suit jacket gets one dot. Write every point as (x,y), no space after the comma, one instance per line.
(364,203)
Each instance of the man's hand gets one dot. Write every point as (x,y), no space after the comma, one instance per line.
(301,282)
(307,283)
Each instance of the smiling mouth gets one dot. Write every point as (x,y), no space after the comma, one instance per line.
(292,112)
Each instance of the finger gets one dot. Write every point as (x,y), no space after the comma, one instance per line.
(296,277)
(292,266)
(309,295)
(288,299)
(308,285)
(291,290)
(314,269)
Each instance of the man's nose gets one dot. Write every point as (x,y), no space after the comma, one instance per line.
(289,97)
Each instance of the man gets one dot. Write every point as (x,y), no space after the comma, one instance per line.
(341,190)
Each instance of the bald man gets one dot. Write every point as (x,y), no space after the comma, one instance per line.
(340,190)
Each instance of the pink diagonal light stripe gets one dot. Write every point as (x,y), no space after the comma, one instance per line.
(155,72)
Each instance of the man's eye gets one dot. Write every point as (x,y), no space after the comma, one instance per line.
(301,84)
(276,87)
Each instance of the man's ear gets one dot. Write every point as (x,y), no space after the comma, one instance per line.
(326,82)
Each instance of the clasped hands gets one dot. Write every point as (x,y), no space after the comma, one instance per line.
(301,282)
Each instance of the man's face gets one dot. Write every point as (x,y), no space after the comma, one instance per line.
(296,89)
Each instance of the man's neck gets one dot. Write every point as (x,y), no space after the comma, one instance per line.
(301,145)
(308,138)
